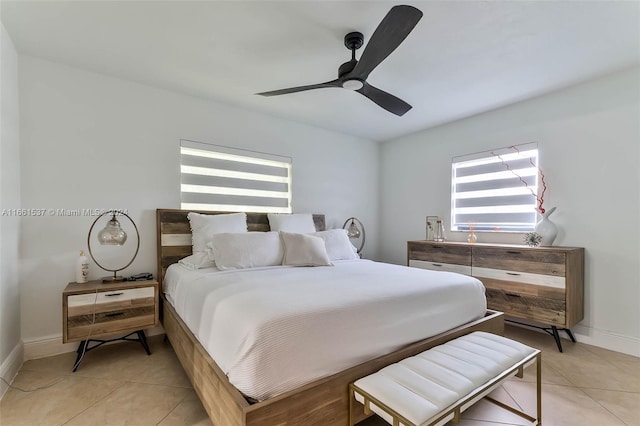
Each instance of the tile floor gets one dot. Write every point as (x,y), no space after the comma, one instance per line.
(120,385)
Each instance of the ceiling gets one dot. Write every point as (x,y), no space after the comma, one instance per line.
(463,57)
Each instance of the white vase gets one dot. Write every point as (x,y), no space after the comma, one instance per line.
(547,229)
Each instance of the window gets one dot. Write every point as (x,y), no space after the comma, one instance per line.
(495,190)
(220,178)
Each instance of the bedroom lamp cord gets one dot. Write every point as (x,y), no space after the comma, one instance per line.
(60,379)
(93,321)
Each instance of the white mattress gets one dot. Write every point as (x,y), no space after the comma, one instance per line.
(274,329)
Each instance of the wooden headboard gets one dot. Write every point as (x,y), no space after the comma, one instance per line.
(174,233)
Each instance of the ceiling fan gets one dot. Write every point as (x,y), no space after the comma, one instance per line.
(352,75)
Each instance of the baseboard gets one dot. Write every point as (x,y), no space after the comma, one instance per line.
(10,367)
(604,339)
(52,345)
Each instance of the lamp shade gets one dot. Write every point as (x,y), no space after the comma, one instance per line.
(112,234)
(355,232)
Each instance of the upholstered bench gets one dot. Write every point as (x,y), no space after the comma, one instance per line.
(437,385)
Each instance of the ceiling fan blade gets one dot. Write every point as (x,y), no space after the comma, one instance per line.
(392,31)
(386,100)
(333,83)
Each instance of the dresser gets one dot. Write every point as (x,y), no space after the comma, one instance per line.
(540,284)
(94,310)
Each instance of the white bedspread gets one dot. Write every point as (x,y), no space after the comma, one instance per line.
(274,329)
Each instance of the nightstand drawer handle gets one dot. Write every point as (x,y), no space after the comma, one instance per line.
(513,273)
(113,314)
(513,252)
(513,295)
(114,294)
(437,264)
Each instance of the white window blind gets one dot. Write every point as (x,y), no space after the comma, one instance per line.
(219,178)
(495,190)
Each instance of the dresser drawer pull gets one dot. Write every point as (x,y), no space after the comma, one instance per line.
(438,247)
(437,264)
(114,294)
(513,295)
(513,252)
(113,314)
(513,273)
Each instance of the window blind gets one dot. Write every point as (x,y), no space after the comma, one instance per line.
(219,178)
(495,190)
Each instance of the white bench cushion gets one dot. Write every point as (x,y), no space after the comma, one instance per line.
(422,386)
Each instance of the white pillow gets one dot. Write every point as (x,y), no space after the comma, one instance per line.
(197,260)
(299,223)
(246,250)
(203,226)
(304,250)
(338,245)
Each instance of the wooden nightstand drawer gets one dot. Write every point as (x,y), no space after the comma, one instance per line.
(107,301)
(94,310)
(82,326)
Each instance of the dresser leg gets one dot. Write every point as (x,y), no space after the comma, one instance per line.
(143,341)
(556,337)
(81,351)
(570,334)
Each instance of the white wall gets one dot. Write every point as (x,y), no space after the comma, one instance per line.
(10,344)
(589,141)
(92,141)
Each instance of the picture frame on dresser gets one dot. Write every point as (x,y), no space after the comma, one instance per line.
(538,285)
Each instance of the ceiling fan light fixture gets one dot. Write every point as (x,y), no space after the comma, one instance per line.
(352,84)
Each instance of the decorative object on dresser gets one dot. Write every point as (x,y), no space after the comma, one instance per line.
(540,284)
(546,228)
(532,239)
(113,235)
(355,232)
(431,227)
(94,310)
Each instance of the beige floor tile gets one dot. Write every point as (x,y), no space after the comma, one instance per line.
(562,405)
(549,374)
(625,405)
(122,361)
(488,412)
(591,371)
(532,337)
(134,404)
(120,384)
(189,412)
(54,405)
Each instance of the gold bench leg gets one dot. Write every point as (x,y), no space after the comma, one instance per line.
(539,386)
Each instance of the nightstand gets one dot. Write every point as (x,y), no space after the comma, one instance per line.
(94,310)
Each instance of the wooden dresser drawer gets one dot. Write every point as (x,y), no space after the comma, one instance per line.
(534,261)
(436,266)
(439,253)
(541,284)
(542,309)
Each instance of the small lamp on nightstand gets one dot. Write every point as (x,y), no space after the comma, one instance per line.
(355,232)
(113,235)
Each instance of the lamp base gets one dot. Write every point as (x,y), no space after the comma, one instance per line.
(114,279)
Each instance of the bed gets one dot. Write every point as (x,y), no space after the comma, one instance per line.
(322,400)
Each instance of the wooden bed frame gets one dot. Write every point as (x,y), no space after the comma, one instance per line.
(321,402)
